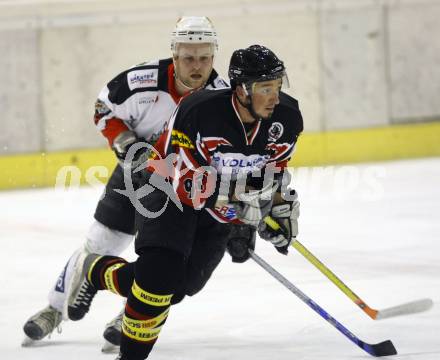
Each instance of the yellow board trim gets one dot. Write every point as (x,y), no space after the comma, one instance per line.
(313,149)
(41,169)
(367,145)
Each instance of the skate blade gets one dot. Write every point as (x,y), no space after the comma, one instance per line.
(28,342)
(109,348)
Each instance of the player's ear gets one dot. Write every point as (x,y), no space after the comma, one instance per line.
(240,93)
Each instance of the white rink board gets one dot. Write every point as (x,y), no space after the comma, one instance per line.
(352,63)
(20,109)
(355,88)
(416,62)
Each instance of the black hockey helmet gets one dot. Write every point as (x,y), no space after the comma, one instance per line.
(253,64)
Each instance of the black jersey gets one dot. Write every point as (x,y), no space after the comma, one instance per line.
(205,133)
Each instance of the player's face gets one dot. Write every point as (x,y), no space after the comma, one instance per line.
(193,64)
(265,96)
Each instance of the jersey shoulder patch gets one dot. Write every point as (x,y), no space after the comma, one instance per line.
(143,75)
(142,78)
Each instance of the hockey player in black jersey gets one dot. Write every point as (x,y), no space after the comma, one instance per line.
(134,106)
(221,159)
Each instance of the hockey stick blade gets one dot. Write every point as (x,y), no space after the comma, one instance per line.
(412,307)
(385,348)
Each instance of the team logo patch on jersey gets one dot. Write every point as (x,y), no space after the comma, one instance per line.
(227,211)
(142,78)
(275,131)
(238,164)
(180,139)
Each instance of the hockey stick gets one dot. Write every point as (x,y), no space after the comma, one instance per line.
(412,307)
(384,348)
(403,309)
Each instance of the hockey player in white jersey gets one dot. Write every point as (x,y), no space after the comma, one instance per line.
(134,106)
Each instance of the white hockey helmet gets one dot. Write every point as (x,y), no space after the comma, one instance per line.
(193,30)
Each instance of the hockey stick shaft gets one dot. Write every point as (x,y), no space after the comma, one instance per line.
(403,309)
(382,349)
(326,271)
(334,279)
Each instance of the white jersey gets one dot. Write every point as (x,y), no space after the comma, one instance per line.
(142,99)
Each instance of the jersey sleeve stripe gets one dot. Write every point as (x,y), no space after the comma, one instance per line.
(285,154)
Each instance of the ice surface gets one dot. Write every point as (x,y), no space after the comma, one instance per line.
(376,226)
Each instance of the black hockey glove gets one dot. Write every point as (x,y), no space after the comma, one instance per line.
(121,146)
(281,226)
(241,238)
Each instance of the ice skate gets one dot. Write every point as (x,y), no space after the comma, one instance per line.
(112,334)
(81,292)
(41,324)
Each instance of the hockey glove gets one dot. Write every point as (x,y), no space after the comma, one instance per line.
(281,227)
(254,205)
(121,145)
(241,239)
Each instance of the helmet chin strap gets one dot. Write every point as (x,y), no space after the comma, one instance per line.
(249,105)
